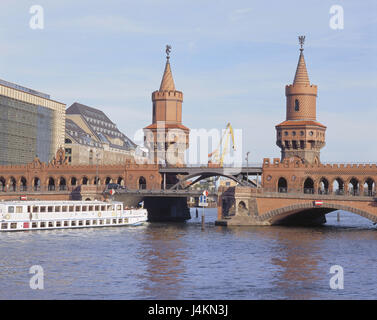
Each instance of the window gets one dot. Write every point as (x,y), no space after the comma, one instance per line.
(50,224)
(90,208)
(42,209)
(57,209)
(73,223)
(43,224)
(84,208)
(64,208)
(66,223)
(87,222)
(10,209)
(103,208)
(13,225)
(58,223)
(50,209)
(34,225)
(297,105)
(18,209)
(4,226)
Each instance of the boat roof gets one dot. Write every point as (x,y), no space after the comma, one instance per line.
(57,202)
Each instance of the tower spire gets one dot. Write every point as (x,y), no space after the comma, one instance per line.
(167,82)
(301,76)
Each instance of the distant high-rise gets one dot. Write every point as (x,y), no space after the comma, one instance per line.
(31,124)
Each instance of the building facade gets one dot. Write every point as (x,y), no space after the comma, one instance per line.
(31,124)
(92,138)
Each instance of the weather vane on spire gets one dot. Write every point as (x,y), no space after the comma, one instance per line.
(301,39)
(168,50)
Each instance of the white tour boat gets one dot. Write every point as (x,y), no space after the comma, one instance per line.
(42,215)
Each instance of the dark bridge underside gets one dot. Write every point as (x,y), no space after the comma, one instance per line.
(307,217)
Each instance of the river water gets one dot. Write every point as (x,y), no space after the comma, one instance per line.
(181,261)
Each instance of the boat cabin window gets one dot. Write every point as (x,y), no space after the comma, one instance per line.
(84,208)
(57,208)
(50,209)
(19,209)
(119,207)
(28,209)
(10,209)
(70,208)
(97,208)
(64,208)
(35,209)
(90,208)
(13,225)
(110,208)
(42,209)
(103,208)
(78,208)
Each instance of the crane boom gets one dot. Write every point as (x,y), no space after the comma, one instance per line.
(218,155)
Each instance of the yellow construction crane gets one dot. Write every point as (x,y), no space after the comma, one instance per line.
(218,155)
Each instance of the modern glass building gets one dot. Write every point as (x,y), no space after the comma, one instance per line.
(31,124)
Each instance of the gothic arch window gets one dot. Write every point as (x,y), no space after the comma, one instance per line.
(297,105)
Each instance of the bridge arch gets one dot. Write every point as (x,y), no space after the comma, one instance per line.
(204,175)
(278,215)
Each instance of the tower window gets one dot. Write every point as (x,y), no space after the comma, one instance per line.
(297,105)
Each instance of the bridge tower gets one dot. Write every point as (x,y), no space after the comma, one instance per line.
(167,138)
(301,136)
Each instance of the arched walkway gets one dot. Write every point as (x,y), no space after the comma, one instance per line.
(309,186)
(338,186)
(323,187)
(369,187)
(73,181)
(51,184)
(23,184)
(282,185)
(36,184)
(12,184)
(2,184)
(62,184)
(354,187)
(142,183)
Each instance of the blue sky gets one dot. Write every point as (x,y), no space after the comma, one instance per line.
(231,59)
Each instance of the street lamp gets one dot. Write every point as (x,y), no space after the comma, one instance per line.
(247,167)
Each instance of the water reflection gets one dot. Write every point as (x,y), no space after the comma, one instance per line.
(164,255)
